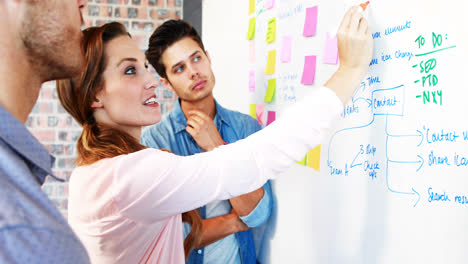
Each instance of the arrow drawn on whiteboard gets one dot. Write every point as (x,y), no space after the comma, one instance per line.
(412,192)
(421,160)
(420,134)
(369,101)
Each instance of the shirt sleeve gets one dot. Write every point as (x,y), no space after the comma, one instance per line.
(29,244)
(260,214)
(151,185)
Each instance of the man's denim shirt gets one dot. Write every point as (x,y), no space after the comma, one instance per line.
(170,133)
(32,230)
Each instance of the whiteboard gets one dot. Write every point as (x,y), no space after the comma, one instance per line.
(393,180)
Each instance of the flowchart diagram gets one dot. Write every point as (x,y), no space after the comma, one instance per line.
(386,153)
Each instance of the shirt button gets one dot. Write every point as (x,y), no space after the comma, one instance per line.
(199,251)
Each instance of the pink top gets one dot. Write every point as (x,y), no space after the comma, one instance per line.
(128,209)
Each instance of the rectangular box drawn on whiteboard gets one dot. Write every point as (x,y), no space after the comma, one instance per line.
(388,101)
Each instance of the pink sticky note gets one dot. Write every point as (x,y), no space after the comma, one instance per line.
(308,75)
(252,51)
(271,117)
(286,49)
(260,109)
(252,81)
(330,52)
(310,25)
(270,4)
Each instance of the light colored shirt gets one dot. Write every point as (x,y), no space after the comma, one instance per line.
(127,209)
(232,126)
(32,230)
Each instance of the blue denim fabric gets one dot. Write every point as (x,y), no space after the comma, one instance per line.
(170,134)
(32,230)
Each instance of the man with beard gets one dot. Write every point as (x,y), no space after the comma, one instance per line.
(40,42)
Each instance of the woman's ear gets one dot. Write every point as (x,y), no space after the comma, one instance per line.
(97,103)
(166,84)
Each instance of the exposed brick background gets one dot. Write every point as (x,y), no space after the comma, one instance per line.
(53,126)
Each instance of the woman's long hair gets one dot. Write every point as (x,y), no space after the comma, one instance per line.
(99,141)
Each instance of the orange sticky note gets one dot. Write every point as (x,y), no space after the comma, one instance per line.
(313,158)
(259,111)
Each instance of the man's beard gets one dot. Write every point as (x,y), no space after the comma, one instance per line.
(45,44)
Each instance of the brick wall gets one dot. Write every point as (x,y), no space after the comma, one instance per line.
(53,126)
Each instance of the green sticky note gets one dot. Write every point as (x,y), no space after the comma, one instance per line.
(271,62)
(270,90)
(303,161)
(271,31)
(251,33)
(251,6)
(253,111)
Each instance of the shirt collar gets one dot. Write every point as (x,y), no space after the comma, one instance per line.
(17,136)
(180,122)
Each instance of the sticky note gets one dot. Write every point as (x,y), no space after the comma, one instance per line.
(259,111)
(270,90)
(251,6)
(252,51)
(313,158)
(253,110)
(269,4)
(330,52)
(252,81)
(271,117)
(271,62)
(308,74)
(271,31)
(286,49)
(310,25)
(303,161)
(251,32)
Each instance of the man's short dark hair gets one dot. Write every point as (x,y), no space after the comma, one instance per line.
(164,36)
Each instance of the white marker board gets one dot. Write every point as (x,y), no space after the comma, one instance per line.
(393,180)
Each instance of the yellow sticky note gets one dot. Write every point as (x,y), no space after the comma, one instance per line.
(271,62)
(251,33)
(303,161)
(270,90)
(253,111)
(271,31)
(313,158)
(251,6)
